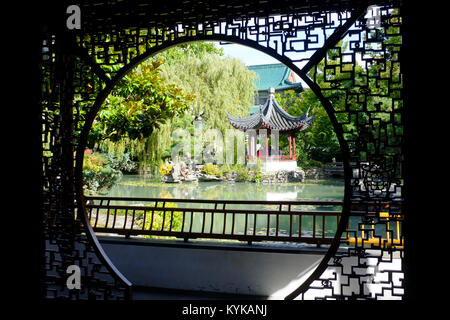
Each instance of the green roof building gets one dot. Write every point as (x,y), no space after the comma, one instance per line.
(276,76)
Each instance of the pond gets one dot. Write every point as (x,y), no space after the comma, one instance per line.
(135,186)
(140,187)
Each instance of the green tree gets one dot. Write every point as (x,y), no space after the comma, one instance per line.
(141,102)
(98,175)
(318,142)
(220,85)
(189,50)
(197,78)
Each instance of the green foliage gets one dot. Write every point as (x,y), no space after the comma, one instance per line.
(125,151)
(318,142)
(189,50)
(98,176)
(141,102)
(242,172)
(123,164)
(220,85)
(165,169)
(227,168)
(315,163)
(156,223)
(165,93)
(93,162)
(258,176)
(211,169)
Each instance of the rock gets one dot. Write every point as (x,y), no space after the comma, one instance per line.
(175,173)
(282,176)
(170,179)
(314,173)
(231,176)
(208,177)
(190,178)
(176,177)
(265,180)
(297,175)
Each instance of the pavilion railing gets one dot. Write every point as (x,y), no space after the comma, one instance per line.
(311,222)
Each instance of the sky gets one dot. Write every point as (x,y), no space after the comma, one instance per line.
(249,56)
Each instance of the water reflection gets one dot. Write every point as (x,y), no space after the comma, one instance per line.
(137,186)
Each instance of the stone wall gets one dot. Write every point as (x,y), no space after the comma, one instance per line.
(314,173)
(283,176)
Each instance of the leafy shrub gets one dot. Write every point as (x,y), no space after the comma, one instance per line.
(211,169)
(165,169)
(158,217)
(97,175)
(243,173)
(226,169)
(315,163)
(93,162)
(124,164)
(311,163)
(259,176)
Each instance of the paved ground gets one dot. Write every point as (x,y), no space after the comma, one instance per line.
(118,223)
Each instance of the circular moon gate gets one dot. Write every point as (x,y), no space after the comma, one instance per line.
(280,37)
(123,71)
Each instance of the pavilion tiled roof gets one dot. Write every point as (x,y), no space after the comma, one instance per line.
(272,116)
(275,75)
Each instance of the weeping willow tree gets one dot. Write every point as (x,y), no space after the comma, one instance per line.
(220,85)
(215,85)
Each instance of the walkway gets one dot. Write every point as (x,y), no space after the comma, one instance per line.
(142,293)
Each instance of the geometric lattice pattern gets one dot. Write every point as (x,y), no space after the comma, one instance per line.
(351,65)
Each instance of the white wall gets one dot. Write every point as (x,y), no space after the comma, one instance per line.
(251,270)
(210,268)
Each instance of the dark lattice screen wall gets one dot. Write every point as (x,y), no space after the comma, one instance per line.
(360,88)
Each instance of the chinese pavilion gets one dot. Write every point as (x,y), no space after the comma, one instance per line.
(271,116)
(275,75)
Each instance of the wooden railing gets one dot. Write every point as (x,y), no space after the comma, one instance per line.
(313,222)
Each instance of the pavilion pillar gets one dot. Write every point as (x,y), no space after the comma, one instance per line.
(251,136)
(255,148)
(250,147)
(267,146)
(290,146)
(293,145)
